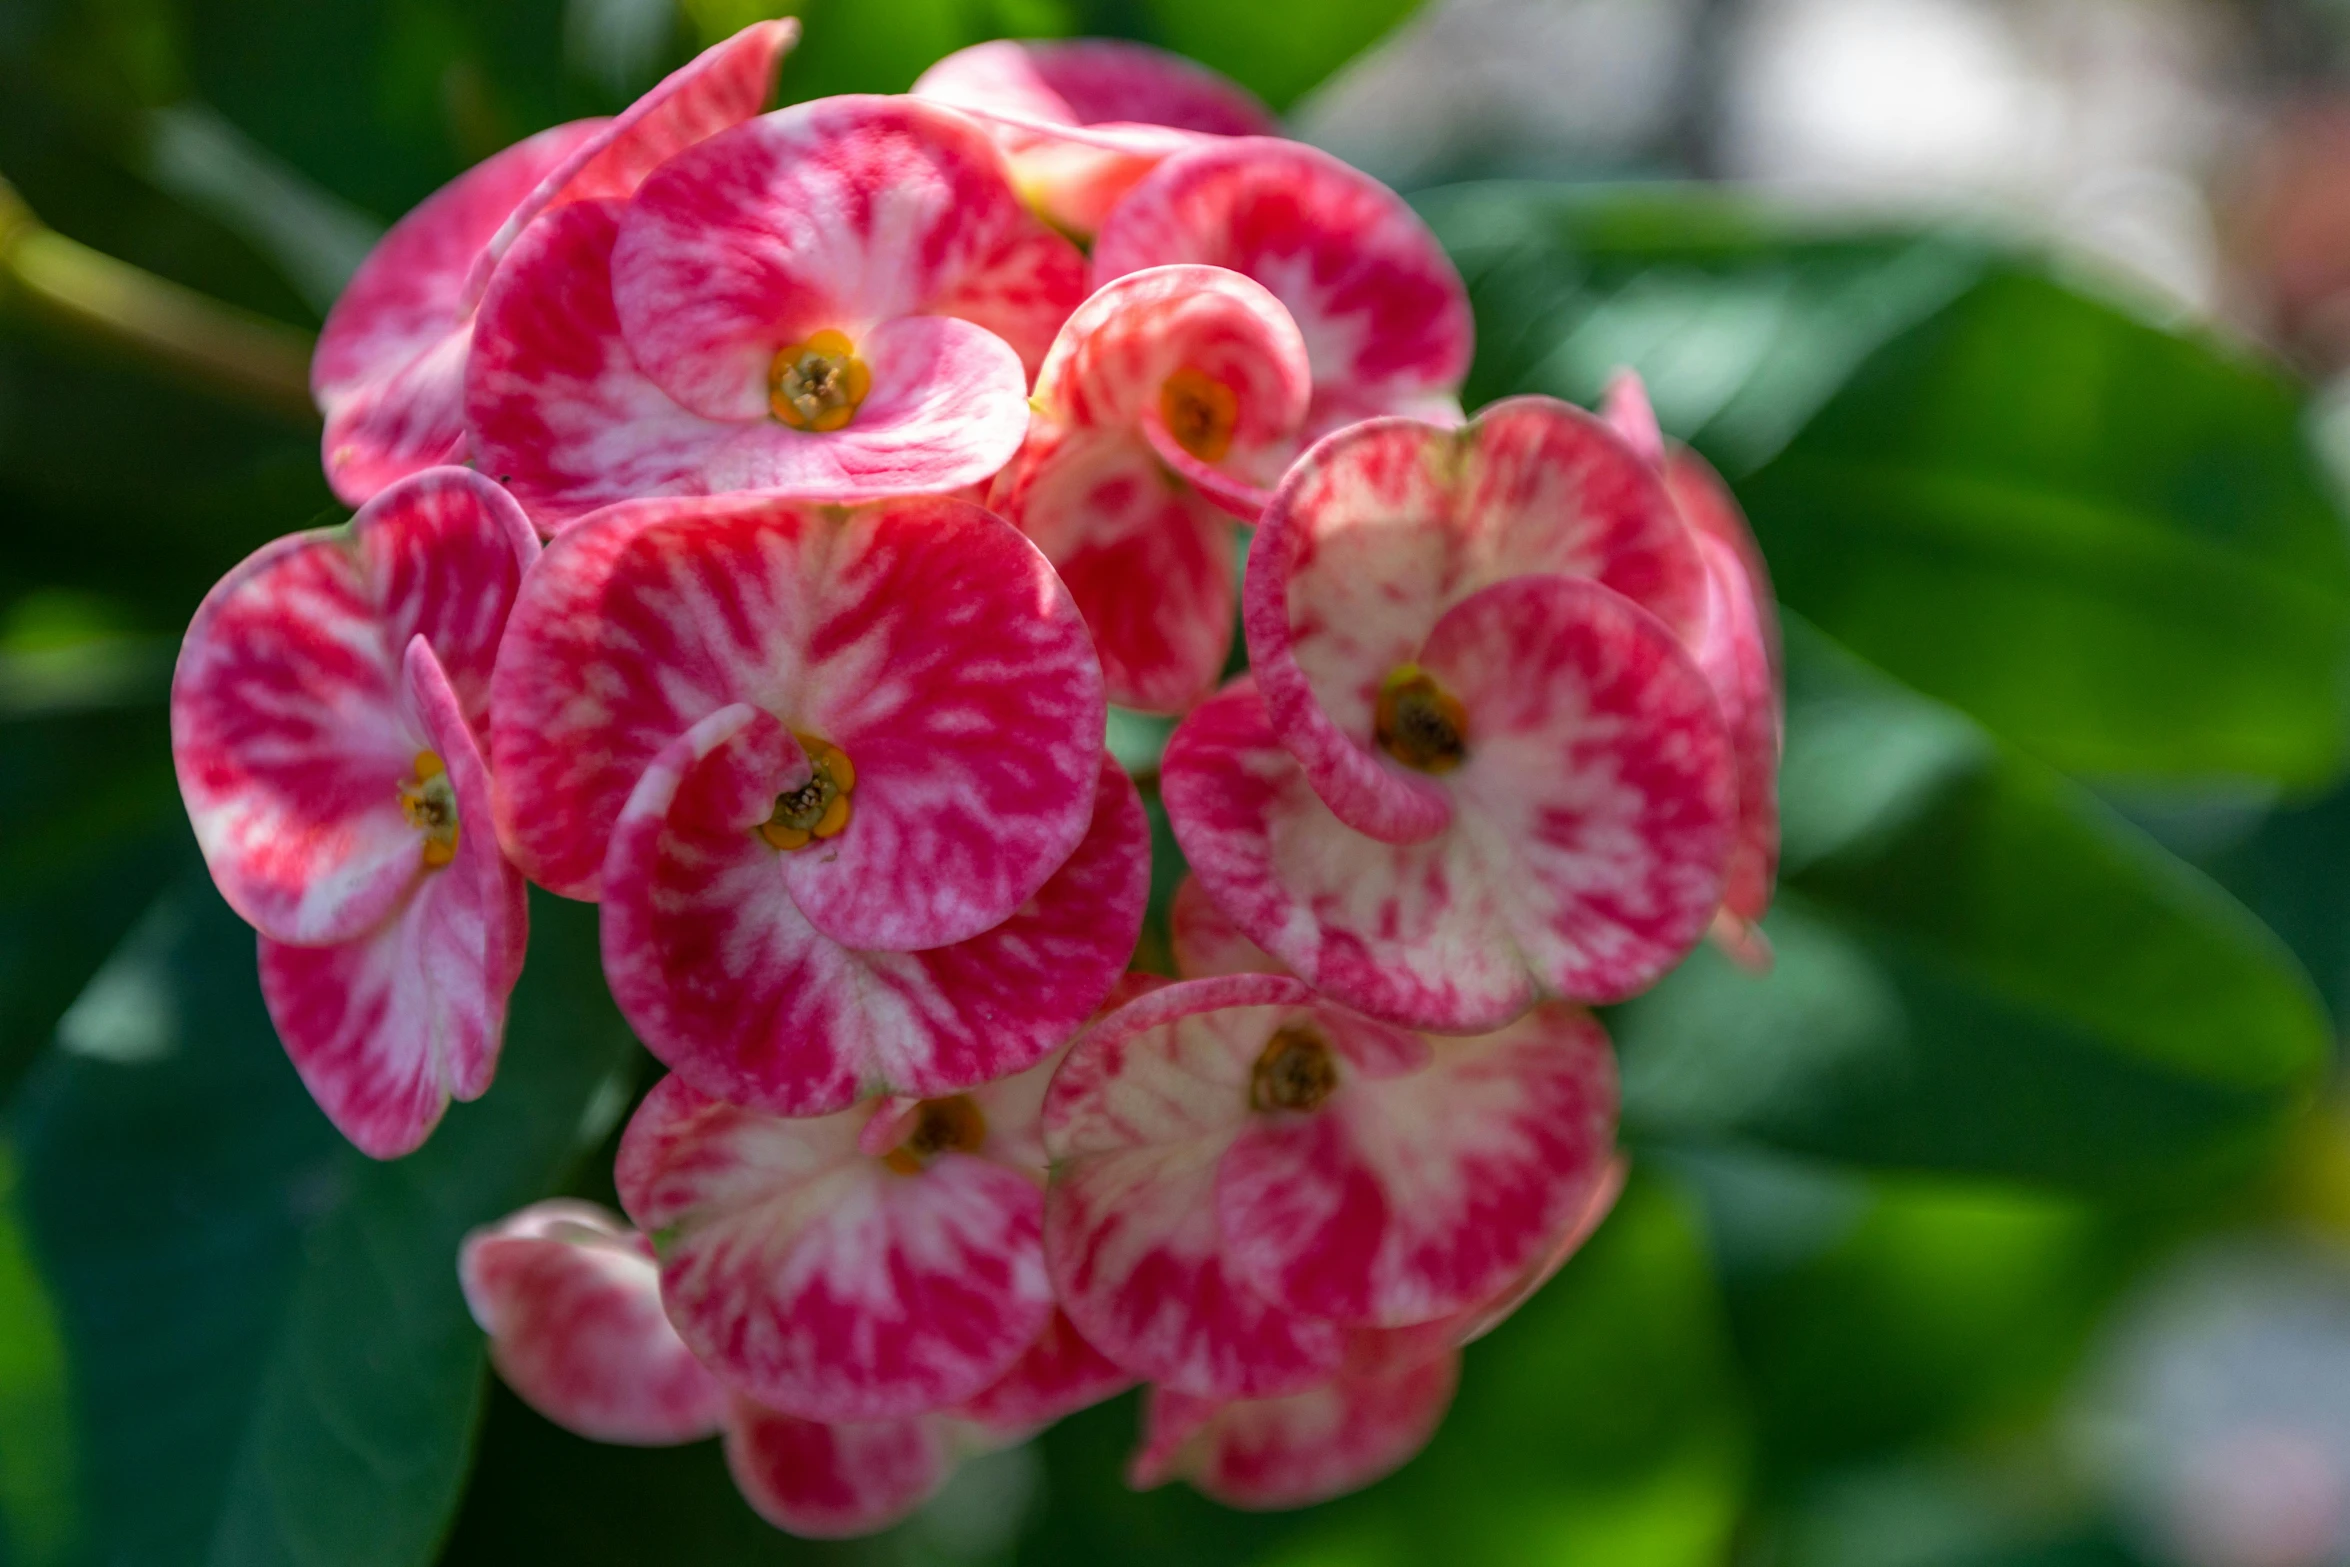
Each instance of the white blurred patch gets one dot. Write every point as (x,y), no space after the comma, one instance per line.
(125,1015)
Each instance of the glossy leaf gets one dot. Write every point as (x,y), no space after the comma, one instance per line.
(1980,967)
(270,1358)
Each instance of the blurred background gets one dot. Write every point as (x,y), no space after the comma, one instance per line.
(2006,1223)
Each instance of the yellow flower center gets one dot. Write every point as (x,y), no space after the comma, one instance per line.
(1419,723)
(817,385)
(818,808)
(951,1125)
(1200,412)
(1296,1071)
(429,800)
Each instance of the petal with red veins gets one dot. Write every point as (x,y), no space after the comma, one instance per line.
(564,417)
(818,1279)
(1303,1448)
(571,1300)
(1600,1200)
(1058,1375)
(1407,1199)
(834,1481)
(389,369)
(838,214)
(1385,318)
(1206,941)
(287,727)
(1148,562)
(726,981)
(385,1029)
(924,637)
(1408,932)
(1381,528)
(1600,791)
(1137,1119)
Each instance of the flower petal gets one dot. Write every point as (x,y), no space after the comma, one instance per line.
(1303,1448)
(839,214)
(571,1300)
(1600,791)
(724,979)
(1406,1199)
(1410,932)
(834,1481)
(385,1029)
(390,363)
(1148,563)
(925,638)
(818,1280)
(1380,528)
(288,732)
(1385,318)
(1090,81)
(1060,1374)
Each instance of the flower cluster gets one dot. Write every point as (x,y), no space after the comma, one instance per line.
(757,515)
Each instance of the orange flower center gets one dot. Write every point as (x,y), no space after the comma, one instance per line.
(819,384)
(1200,412)
(952,1125)
(818,808)
(1419,723)
(429,801)
(1296,1071)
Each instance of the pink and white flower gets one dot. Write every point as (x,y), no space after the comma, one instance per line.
(1385,318)
(879,1262)
(923,643)
(1247,1177)
(326,718)
(1736,643)
(389,372)
(1082,119)
(570,1298)
(729,982)
(1474,764)
(1170,402)
(841,299)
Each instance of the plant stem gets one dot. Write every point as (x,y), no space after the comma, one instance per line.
(230,350)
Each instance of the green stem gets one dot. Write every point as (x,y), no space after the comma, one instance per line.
(237,352)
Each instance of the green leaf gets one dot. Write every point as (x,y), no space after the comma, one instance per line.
(36,1420)
(1980,967)
(1276,51)
(1741,322)
(271,1361)
(2108,543)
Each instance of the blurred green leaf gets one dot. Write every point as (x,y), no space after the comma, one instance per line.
(1276,51)
(1980,967)
(2108,542)
(36,1420)
(270,1358)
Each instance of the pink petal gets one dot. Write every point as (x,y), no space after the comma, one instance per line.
(1600,790)
(843,214)
(288,730)
(565,419)
(390,363)
(386,1028)
(1599,1202)
(1303,1448)
(726,981)
(1382,527)
(1412,933)
(817,1279)
(1060,1374)
(1738,648)
(834,1481)
(1148,562)
(1410,1198)
(1136,1120)
(1206,941)
(925,638)
(1385,319)
(571,1300)
(721,87)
